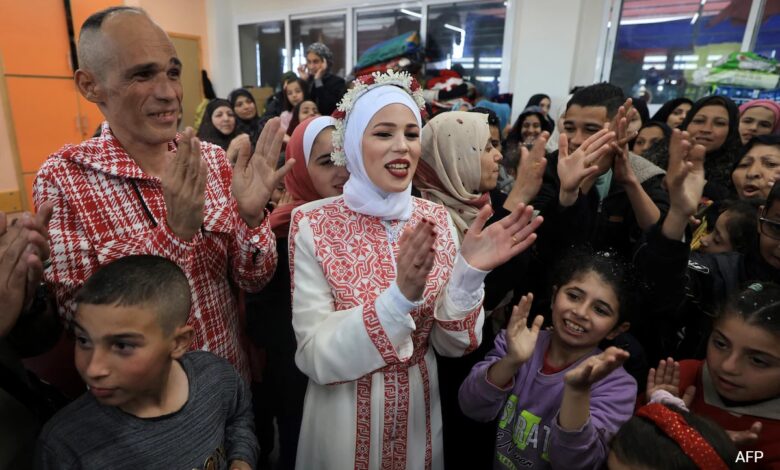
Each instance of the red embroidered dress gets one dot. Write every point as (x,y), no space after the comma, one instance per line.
(106,207)
(373,398)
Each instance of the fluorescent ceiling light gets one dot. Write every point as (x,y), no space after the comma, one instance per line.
(455,28)
(664,19)
(412,13)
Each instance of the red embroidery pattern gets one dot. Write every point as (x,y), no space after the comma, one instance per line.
(427,392)
(389,426)
(469,323)
(402,421)
(98,218)
(363,434)
(357,261)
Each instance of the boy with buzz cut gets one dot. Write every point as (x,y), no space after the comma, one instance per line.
(151,404)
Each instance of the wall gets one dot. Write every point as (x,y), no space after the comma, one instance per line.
(8,170)
(180,16)
(556,42)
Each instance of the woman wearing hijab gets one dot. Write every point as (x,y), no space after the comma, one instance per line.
(458,169)
(245,108)
(758,117)
(713,122)
(219,127)
(544,103)
(379,281)
(269,312)
(650,133)
(673,112)
(324,88)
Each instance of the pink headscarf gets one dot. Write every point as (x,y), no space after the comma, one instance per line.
(768,104)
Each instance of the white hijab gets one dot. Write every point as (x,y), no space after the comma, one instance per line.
(360,193)
(312,131)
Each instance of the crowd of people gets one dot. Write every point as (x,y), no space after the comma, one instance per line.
(375,282)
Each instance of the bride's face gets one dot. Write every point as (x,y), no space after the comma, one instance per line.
(391,148)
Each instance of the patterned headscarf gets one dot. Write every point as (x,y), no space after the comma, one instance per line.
(321,50)
(450,170)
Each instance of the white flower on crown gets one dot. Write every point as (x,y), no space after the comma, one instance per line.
(360,86)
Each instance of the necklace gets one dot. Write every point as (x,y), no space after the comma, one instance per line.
(394,229)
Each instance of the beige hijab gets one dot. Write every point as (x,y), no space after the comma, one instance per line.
(450,170)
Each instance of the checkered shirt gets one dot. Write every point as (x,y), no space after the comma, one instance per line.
(99,217)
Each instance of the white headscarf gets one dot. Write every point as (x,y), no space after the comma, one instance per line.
(312,131)
(360,193)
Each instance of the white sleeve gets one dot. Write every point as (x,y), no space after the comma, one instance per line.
(458,313)
(342,345)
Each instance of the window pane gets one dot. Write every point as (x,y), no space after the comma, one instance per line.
(663,45)
(328,30)
(768,39)
(467,35)
(262,53)
(374,27)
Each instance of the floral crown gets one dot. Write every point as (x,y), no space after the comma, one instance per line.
(363,84)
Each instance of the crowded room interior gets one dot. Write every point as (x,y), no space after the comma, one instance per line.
(364,234)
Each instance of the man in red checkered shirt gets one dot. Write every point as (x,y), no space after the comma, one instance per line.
(141,188)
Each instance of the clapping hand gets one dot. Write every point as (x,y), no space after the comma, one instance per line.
(415,259)
(184,187)
(595,368)
(530,171)
(623,173)
(684,182)
(520,339)
(667,377)
(746,437)
(574,169)
(23,249)
(486,248)
(255,176)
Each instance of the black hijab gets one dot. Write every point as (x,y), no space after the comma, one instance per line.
(718,163)
(515,136)
(536,100)
(666,110)
(641,107)
(208,133)
(252,126)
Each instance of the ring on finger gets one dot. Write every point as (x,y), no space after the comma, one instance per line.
(515,241)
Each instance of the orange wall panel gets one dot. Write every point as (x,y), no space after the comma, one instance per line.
(45,117)
(81,9)
(34,38)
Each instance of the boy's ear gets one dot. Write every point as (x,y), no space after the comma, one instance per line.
(622,328)
(182,338)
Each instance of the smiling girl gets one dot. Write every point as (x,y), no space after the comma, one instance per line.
(557,397)
(738,385)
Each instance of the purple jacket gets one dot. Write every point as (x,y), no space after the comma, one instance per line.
(527,432)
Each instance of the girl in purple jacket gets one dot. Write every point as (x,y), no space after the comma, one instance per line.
(557,398)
